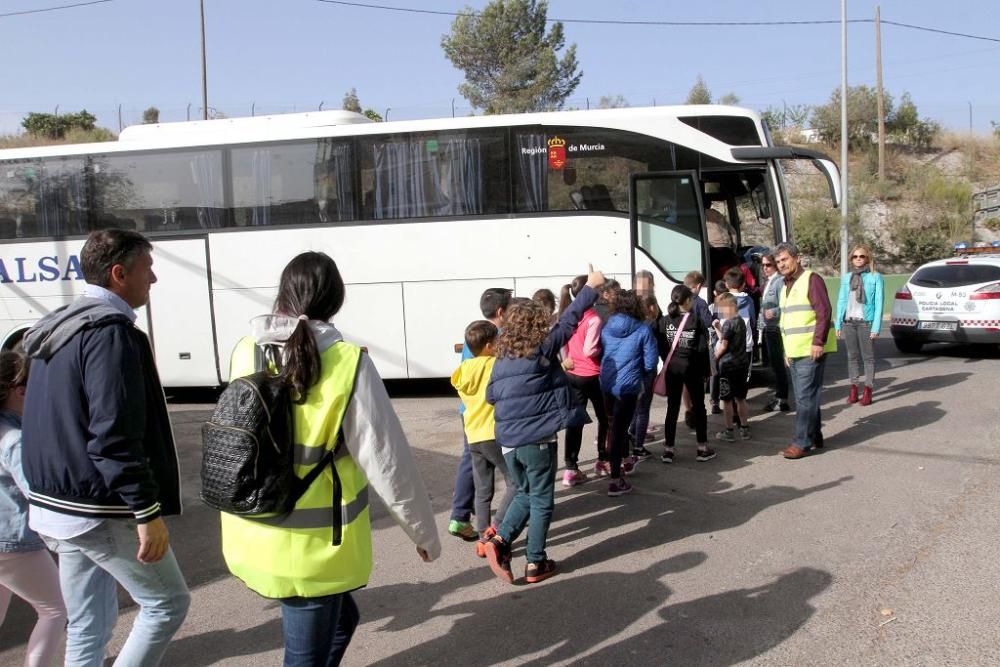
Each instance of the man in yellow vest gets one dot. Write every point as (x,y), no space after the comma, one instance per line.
(806,315)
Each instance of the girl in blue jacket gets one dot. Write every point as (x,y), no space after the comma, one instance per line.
(629,355)
(26,568)
(859,319)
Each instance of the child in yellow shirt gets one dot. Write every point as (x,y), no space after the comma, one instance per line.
(470,379)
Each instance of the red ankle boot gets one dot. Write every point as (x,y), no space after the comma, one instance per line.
(853,398)
(866,396)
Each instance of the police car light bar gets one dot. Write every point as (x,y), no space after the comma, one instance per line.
(979,248)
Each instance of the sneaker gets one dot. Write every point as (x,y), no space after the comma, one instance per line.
(462,530)
(498,556)
(628,465)
(573,477)
(641,454)
(602,469)
(716,410)
(745,433)
(726,436)
(483,539)
(668,456)
(772,405)
(535,572)
(619,487)
(705,454)
(784,407)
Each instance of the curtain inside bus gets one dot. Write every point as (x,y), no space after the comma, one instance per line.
(205,174)
(62,198)
(533,175)
(428,176)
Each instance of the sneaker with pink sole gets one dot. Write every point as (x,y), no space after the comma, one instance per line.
(573,477)
(602,469)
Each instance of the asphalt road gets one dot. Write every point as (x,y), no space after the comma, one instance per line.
(881,550)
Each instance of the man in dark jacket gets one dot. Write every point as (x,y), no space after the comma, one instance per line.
(99,456)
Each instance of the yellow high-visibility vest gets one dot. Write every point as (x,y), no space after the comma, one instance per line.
(798,320)
(294,555)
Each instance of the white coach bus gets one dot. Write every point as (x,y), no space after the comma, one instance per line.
(421,216)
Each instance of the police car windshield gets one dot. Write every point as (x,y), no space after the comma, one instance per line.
(955,275)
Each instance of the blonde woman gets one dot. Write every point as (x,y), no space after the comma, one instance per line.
(859,320)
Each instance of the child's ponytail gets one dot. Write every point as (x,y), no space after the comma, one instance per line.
(680,294)
(569,292)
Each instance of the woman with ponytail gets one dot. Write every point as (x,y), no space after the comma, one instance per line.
(582,363)
(683,343)
(312,558)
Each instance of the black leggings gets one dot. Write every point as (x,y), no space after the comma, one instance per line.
(694,380)
(621,410)
(586,389)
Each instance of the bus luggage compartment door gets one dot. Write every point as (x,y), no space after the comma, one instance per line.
(180,314)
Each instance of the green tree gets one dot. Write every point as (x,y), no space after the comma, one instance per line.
(612,102)
(351,102)
(862,116)
(699,94)
(54,126)
(511,64)
(774,117)
(730,99)
(906,125)
(151,116)
(373,115)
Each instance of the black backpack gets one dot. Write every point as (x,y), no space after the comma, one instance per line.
(247,464)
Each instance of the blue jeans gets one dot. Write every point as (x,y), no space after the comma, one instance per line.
(533,469)
(318,630)
(90,567)
(463,501)
(807,381)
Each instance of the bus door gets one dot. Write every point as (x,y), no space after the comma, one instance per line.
(667,224)
(180,314)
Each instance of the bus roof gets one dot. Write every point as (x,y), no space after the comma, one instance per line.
(664,122)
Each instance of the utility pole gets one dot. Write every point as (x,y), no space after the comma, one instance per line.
(843,139)
(881,94)
(204,66)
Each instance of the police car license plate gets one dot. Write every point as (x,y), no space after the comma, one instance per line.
(939,326)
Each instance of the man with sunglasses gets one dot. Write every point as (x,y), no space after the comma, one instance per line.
(768,320)
(806,316)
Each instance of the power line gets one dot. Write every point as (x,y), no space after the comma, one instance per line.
(642,22)
(941,32)
(52,9)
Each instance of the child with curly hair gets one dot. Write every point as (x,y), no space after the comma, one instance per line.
(532,402)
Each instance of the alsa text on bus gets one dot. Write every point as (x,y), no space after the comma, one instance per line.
(39,269)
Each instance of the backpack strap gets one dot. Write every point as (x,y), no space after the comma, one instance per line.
(337,519)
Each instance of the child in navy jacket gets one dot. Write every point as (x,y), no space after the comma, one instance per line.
(532,402)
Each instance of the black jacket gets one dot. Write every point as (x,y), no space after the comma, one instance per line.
(96,435)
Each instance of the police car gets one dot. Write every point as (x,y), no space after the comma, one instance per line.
(954,300)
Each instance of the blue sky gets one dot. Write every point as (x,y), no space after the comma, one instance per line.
(285,55)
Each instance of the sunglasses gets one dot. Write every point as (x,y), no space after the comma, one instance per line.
(859,256)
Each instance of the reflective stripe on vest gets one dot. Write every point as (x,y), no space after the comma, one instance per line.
(798,320)
(292,555)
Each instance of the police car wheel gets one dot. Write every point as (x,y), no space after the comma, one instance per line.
(908,345)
